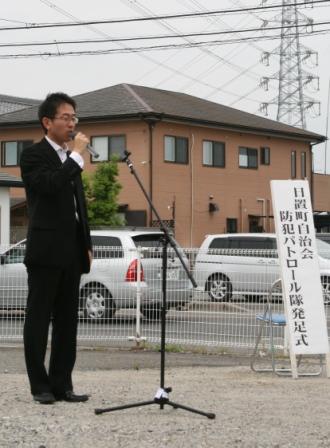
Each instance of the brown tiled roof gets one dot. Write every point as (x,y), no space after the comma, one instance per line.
(11,103)
(130,101)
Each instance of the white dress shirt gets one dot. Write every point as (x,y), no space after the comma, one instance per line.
(62,153)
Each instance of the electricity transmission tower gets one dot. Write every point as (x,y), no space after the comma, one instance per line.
(292,101)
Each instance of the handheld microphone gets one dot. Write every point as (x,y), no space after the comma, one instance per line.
(89,148)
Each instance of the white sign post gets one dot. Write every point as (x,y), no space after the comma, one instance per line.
(300,273)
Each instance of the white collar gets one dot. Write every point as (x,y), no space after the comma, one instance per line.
(55,145)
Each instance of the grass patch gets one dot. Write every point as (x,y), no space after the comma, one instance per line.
(177,348)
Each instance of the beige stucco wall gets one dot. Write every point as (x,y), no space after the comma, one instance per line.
(321,192)
(235,190)
(4,216)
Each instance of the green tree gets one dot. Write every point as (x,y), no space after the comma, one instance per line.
(102,189)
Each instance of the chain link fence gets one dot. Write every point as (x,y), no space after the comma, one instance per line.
(120,299)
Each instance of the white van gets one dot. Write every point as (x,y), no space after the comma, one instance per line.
(246,264)
(112,282)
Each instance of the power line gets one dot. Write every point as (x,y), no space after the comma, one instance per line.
(156,47)
(206,51)
(163,17)
(159,37)
(157,62)
(234,52)
(235,79)
(12,21)
(243,97)
(143,10)
(142,55)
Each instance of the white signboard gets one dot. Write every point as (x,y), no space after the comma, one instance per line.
(302,289)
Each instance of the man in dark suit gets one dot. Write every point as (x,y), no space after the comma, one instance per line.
(58,249)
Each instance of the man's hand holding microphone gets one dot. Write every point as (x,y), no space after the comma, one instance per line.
(81,143)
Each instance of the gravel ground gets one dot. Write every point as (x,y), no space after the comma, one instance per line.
(252,410)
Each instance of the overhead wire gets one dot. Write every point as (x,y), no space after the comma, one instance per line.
(233,53)
(177,72)
(160,37)
(162,47)
(208,70)
(187,35)
(143,49)
(276,20)
(162,17)
(195,59)
(147,57)
(173,55)
(238,3)
(207,51)
(214,67)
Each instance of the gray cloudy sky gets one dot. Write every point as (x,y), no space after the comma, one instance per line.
(227,74)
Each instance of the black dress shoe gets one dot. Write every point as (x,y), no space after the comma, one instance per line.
(44,398)
(70,396)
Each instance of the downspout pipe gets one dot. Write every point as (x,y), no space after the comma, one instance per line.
(312,171)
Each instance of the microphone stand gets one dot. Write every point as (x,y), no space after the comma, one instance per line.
(162,394)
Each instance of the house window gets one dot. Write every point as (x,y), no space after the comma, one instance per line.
(231,225)
(213,153)
(265,155)
(11,152)
(248,158)
(303,165)
(176,149)
(107,146)
(293,164)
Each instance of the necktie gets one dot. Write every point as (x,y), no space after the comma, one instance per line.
(63,156)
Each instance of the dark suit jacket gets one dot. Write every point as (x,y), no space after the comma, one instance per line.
(50,186)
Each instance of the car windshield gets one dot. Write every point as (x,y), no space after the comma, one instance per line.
(152,245)
(150,240)
(107,247)
(323,248)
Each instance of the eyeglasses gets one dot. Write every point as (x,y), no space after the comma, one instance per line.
(68,118)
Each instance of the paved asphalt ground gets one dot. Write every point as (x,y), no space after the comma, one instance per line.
(252,410)
(105,358)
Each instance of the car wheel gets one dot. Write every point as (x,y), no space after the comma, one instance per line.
(219,288)
(97,303)
(152,312)
(326,289)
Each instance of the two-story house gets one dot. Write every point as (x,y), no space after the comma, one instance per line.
(206,167)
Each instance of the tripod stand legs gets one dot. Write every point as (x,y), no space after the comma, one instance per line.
(209,415)
(161,400)
(124,406)
(161,397)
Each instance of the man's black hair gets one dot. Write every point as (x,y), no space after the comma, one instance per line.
(49,106)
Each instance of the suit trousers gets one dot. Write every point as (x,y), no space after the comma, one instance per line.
(53,297)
